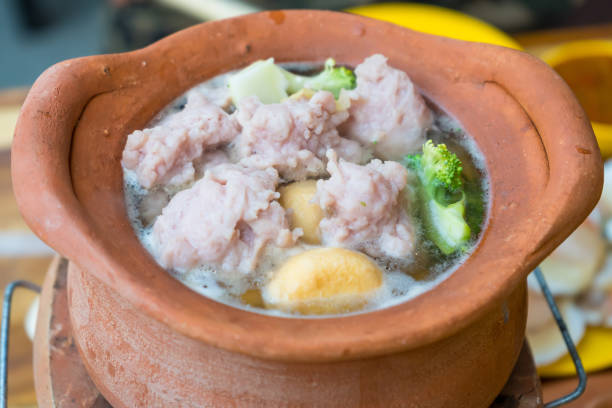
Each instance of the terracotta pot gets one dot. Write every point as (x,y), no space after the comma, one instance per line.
(149,341)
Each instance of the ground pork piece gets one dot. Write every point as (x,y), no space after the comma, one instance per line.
(165,153)
(209,160)
(218,94)
(293,136)
(225,219)
(386,112)
(363,207)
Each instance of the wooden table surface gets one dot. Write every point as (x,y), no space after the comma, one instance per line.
(22,256)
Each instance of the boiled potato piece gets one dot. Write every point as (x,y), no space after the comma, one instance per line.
(323,281)
(306,215)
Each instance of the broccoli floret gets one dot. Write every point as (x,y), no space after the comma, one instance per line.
(442,166)
(441,196)
(271,83)
(331,79)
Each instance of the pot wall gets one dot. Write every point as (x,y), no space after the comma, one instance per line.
(137,361)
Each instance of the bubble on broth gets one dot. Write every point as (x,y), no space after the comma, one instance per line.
(403,279)
(203,280)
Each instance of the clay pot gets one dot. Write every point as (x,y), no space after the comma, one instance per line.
(149,341)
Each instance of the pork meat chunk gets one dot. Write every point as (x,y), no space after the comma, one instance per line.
(293,136)
(164,154)
(225,219)
(364,207)
(386,113)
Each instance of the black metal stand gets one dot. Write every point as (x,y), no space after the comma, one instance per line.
(571,347)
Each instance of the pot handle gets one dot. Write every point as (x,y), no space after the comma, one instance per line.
(575,172)
(40,156)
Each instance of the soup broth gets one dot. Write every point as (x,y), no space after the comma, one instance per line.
(403,279)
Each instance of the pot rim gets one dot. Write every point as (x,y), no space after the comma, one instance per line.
(43,170)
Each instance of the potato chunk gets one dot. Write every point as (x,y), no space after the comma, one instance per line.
(323,281)
(306,215)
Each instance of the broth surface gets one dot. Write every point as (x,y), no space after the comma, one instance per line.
(403,279)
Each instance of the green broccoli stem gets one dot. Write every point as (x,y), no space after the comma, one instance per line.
(332,79)
(442,194)
(441,197)
(444,225)
(271,83)
(294,82)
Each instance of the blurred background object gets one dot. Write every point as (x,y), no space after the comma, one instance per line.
(437,20)
(586,66)
(34,34)
(573,36)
